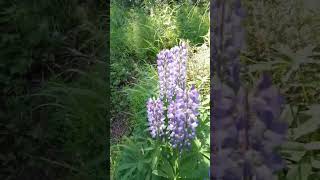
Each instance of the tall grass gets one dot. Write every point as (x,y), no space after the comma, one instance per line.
(142,32)
(77,121)
(146,86)
(53,98)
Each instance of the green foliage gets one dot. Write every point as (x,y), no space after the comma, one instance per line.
(142,31)
(290,50)
(193,22)
(137,96)
(136,158)
(82,118)
(199,75)
(301,151)
(149,159)
(47,120)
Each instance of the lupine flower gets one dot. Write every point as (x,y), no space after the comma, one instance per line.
(155,117)
(246,127)
(172,70)
(183,105)
(247,123)
(182,114)
(180,68)
(164,73)
(228,40)
(266,105)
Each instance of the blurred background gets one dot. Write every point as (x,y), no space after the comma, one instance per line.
(53,89)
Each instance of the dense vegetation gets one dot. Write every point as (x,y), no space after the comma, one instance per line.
(53,89)
(139,31)
(283,39)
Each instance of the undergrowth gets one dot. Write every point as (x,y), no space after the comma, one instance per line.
(289,50)
(53,88)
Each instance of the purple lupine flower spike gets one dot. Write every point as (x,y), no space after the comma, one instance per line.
(183,105)
(163,72)
(155,117)
(172,70)
(181,68)
(182,114)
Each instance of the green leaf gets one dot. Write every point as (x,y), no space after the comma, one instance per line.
(167,168)
(315,163)
(294,155)
(140,166)
(312,146)
(155,160)
(306,128)
(129,173)
(286,115)
(314,110)
(127,166)
(259,67)
(148,149)
(292,173)
(292,145)
(159,173)
(206,100)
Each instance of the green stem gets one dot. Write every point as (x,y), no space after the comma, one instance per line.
(176,166)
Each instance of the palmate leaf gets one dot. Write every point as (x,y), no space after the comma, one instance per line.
(300,171)
(163,168)
(288,114)
(306,128)
(167,168)
(293,155)
(293,60)
(195,164)
(292,145)
(135,159)
(188,166)
(195,168)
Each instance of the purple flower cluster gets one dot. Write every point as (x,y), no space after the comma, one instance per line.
(247,125)
(182,104)
(248,129)
(155,117)
(182,114)
(172,70)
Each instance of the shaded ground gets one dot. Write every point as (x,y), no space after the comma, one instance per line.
(119,127)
